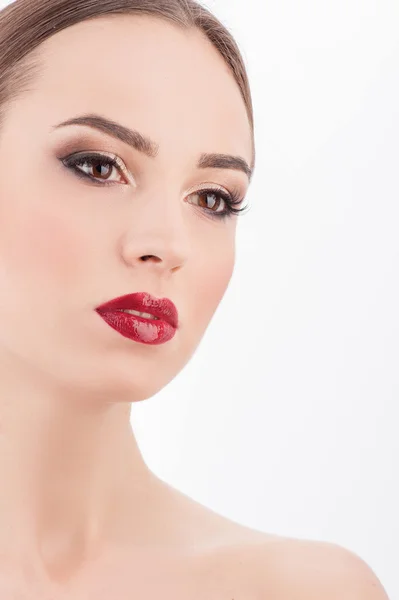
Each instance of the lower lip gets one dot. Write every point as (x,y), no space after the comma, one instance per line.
(145,331)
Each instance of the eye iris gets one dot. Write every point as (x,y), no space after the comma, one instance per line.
(206,195)
(103,170)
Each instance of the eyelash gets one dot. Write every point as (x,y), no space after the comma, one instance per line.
(231,201)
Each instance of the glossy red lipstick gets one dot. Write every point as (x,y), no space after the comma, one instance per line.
(143,329)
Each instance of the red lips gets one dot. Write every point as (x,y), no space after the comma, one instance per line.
(163,308)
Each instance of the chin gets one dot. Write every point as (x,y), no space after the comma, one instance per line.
(117,378)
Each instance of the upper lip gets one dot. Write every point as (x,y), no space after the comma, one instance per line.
(163,308)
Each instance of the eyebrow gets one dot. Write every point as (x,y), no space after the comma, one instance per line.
(143,144)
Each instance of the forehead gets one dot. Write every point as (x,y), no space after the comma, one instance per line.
(147,73)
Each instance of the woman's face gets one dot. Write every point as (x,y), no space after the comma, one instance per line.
(69,243)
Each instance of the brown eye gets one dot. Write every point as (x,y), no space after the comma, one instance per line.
(217,203)
(103,171)
(209,200)
(97,167)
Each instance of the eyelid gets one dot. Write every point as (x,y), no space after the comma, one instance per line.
(206,186)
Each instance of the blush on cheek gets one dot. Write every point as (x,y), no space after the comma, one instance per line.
(44,252)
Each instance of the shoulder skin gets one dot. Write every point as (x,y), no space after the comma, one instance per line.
(312,570)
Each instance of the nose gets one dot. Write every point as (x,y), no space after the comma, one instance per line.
(158,238)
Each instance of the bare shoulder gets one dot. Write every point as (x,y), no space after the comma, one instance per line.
(238,562)
(293,569)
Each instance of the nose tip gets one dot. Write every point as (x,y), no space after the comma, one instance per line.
(167,238)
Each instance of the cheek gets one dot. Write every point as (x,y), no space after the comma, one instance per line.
(40,252)
(212,278)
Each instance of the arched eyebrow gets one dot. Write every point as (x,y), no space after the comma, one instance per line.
(143,144)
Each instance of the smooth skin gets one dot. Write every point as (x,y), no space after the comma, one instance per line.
(81,514)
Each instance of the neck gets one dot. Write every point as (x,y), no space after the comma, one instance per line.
(71,472)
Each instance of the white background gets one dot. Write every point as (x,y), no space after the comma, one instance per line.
(286,418)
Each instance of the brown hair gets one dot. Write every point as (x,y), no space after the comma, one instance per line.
(25,24)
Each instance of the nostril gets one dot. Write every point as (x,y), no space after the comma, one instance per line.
(147,256)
